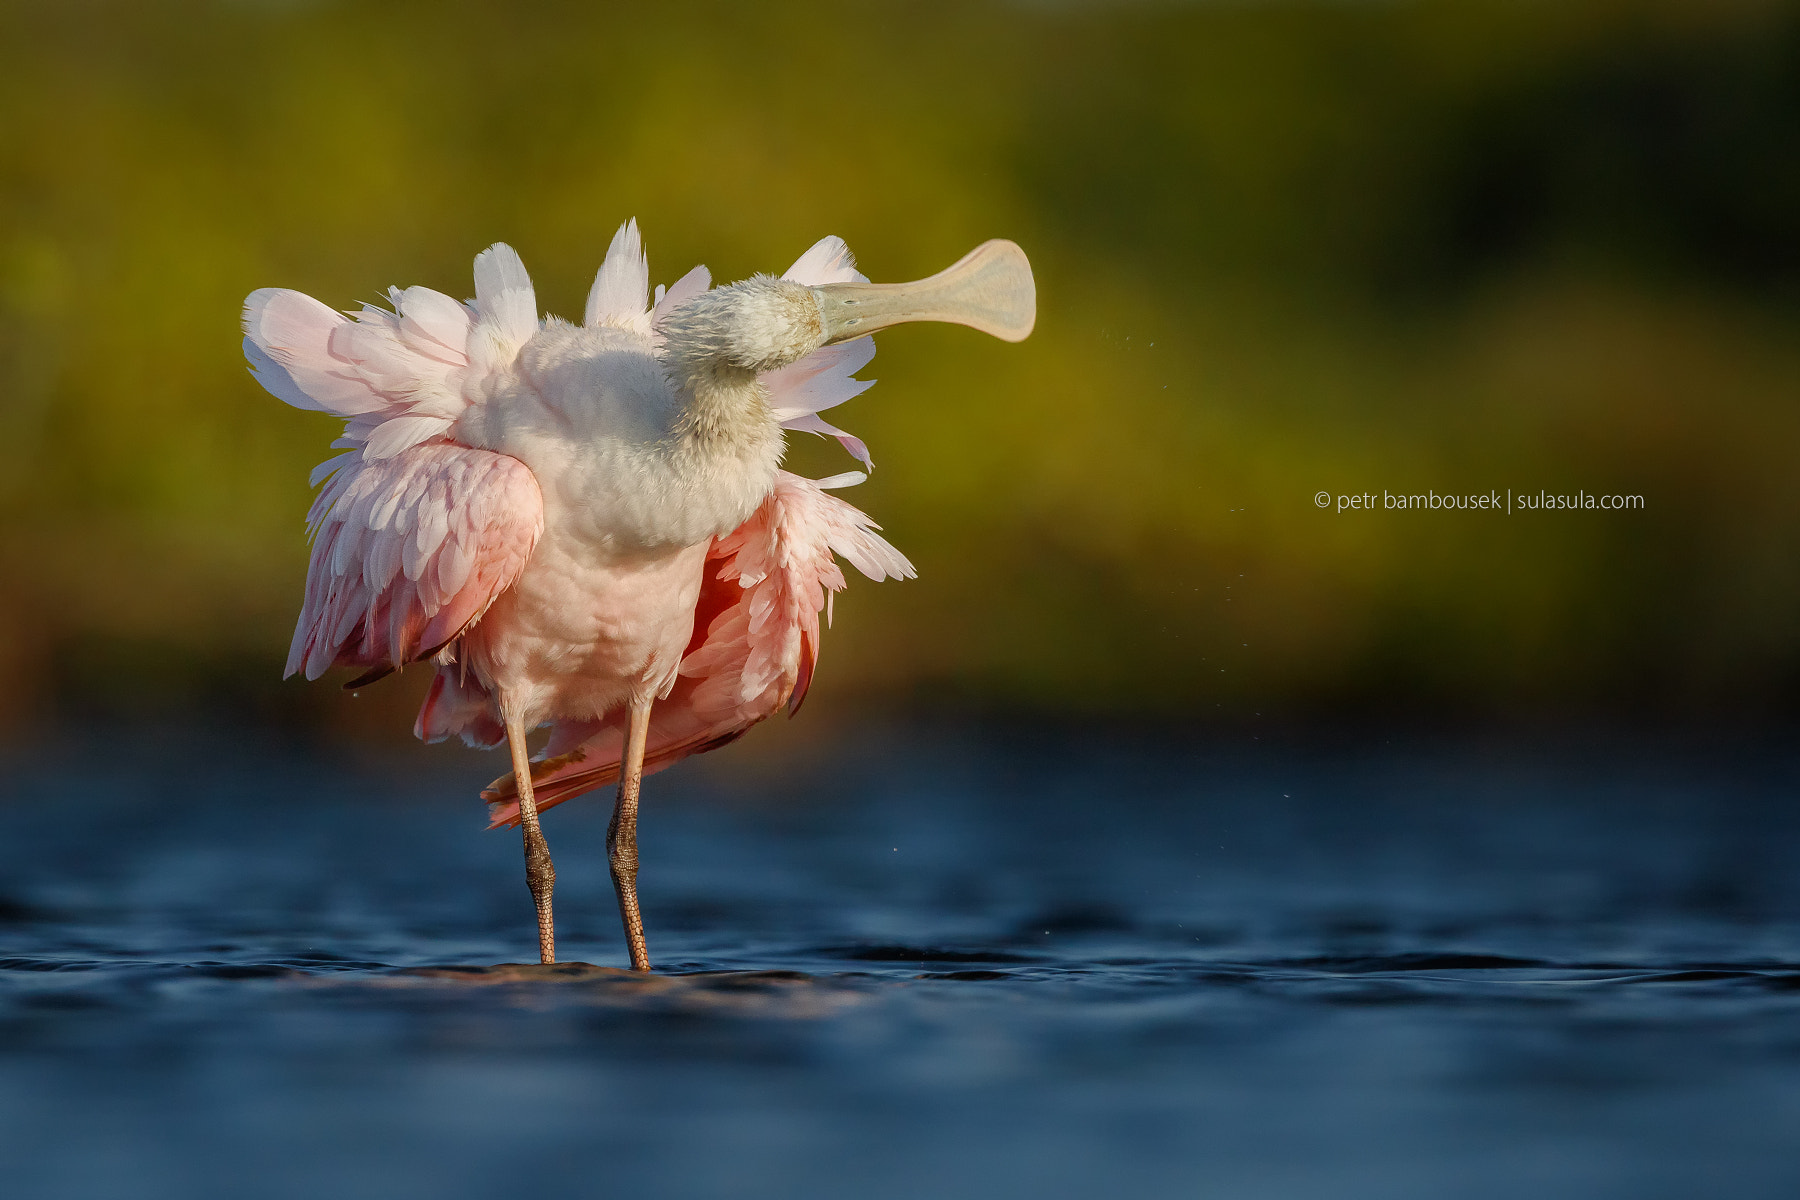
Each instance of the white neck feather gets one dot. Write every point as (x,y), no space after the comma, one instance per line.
(639,451)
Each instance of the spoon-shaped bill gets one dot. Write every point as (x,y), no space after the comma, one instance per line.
(990,289)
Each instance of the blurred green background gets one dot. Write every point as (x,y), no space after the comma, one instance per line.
(1280,248)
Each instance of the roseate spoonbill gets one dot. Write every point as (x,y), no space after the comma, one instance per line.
(586,525)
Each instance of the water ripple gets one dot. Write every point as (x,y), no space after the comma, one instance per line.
(1379,979)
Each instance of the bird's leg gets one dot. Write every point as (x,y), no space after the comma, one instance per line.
(540,875)
(621,835)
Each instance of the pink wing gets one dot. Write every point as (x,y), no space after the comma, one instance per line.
(398,378)
(408,552)
(756,640)
(413,535)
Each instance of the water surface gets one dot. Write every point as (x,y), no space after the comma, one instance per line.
(983,964)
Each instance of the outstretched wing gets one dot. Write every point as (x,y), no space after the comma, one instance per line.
(413,534)
(756,641)
(398,378)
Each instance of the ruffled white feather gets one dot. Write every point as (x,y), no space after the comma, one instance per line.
(621,292)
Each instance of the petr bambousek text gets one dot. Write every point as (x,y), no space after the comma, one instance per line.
(1492,500)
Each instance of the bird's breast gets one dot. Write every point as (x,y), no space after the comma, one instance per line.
(581,633)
